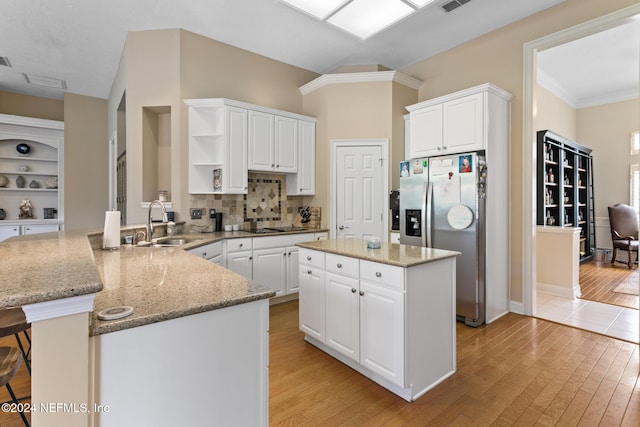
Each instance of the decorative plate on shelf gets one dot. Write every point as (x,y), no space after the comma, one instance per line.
(23,148)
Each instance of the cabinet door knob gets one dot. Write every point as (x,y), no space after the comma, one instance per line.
(308,271)
(284,254)
(339,265)
(353,290)
(444,148)
(250,258)
(361,293)
(240,245)
(204,254)
(378,274)
(272,165)
(308,258)
(300,188)
(277,166)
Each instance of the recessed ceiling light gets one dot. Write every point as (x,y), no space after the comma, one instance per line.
(365,18)
(45,81)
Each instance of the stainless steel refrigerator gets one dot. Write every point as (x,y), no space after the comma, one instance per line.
(442,205)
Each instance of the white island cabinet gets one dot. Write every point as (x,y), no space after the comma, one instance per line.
(388,313)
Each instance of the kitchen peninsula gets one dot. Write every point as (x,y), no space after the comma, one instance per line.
(389,313)
(198,336)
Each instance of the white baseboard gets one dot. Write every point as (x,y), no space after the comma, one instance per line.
(559,291)
(516,307)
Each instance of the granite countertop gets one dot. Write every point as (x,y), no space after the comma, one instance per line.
(46,267)
(160,283)
(165,283)
(389,253)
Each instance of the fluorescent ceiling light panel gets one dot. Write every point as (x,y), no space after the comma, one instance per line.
(421,3)
(318,8)
(364,18)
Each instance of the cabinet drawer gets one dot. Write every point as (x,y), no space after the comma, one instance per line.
(239,244)
(383,274)
(208,251)
(311,258)
(342,265)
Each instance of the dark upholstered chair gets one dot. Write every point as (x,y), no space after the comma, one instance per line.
(624,231)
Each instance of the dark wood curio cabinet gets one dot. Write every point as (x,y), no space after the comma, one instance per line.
(565,188)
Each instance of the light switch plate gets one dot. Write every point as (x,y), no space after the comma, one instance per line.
(196,213)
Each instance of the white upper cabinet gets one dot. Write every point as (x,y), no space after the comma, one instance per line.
(217,147)
(273,142)
(228,138)
(286,144)
(426,132)
(463,124)
(455,123)
(261,141)
(303,183)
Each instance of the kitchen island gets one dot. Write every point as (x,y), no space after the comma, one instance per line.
(388,313)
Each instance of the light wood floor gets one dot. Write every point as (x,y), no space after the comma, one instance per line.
(599,279)
(517,371)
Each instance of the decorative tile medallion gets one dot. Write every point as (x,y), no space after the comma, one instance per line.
(264,200)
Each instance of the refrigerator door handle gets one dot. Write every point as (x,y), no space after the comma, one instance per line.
(427,223)
(426,214)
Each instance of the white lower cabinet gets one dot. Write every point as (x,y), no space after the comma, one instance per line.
(382,331)
(211,252)
(269,268)
(241,262)
(7,231)
(275,261)
(343,323)
(312,301)
(395,325)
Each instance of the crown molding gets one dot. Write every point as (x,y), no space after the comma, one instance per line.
(367,77)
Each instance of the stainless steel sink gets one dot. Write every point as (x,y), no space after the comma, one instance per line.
(169,242)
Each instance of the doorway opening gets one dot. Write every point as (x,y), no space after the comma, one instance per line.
(531,51)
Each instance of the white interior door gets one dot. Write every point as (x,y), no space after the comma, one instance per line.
(360,192)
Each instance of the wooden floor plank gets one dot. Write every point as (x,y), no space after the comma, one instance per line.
(599,279)
(516,371)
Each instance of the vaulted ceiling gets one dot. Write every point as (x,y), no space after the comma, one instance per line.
(80,41)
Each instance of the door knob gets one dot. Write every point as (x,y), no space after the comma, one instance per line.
(342,227)
(353,290)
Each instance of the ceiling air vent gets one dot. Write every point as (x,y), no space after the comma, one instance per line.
(5,61)
(453,4)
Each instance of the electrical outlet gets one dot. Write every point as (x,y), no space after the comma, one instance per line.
(212,213)
(196,213)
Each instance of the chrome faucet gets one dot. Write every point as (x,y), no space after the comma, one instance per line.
(149,224)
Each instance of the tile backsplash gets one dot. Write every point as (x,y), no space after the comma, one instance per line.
(266,203)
